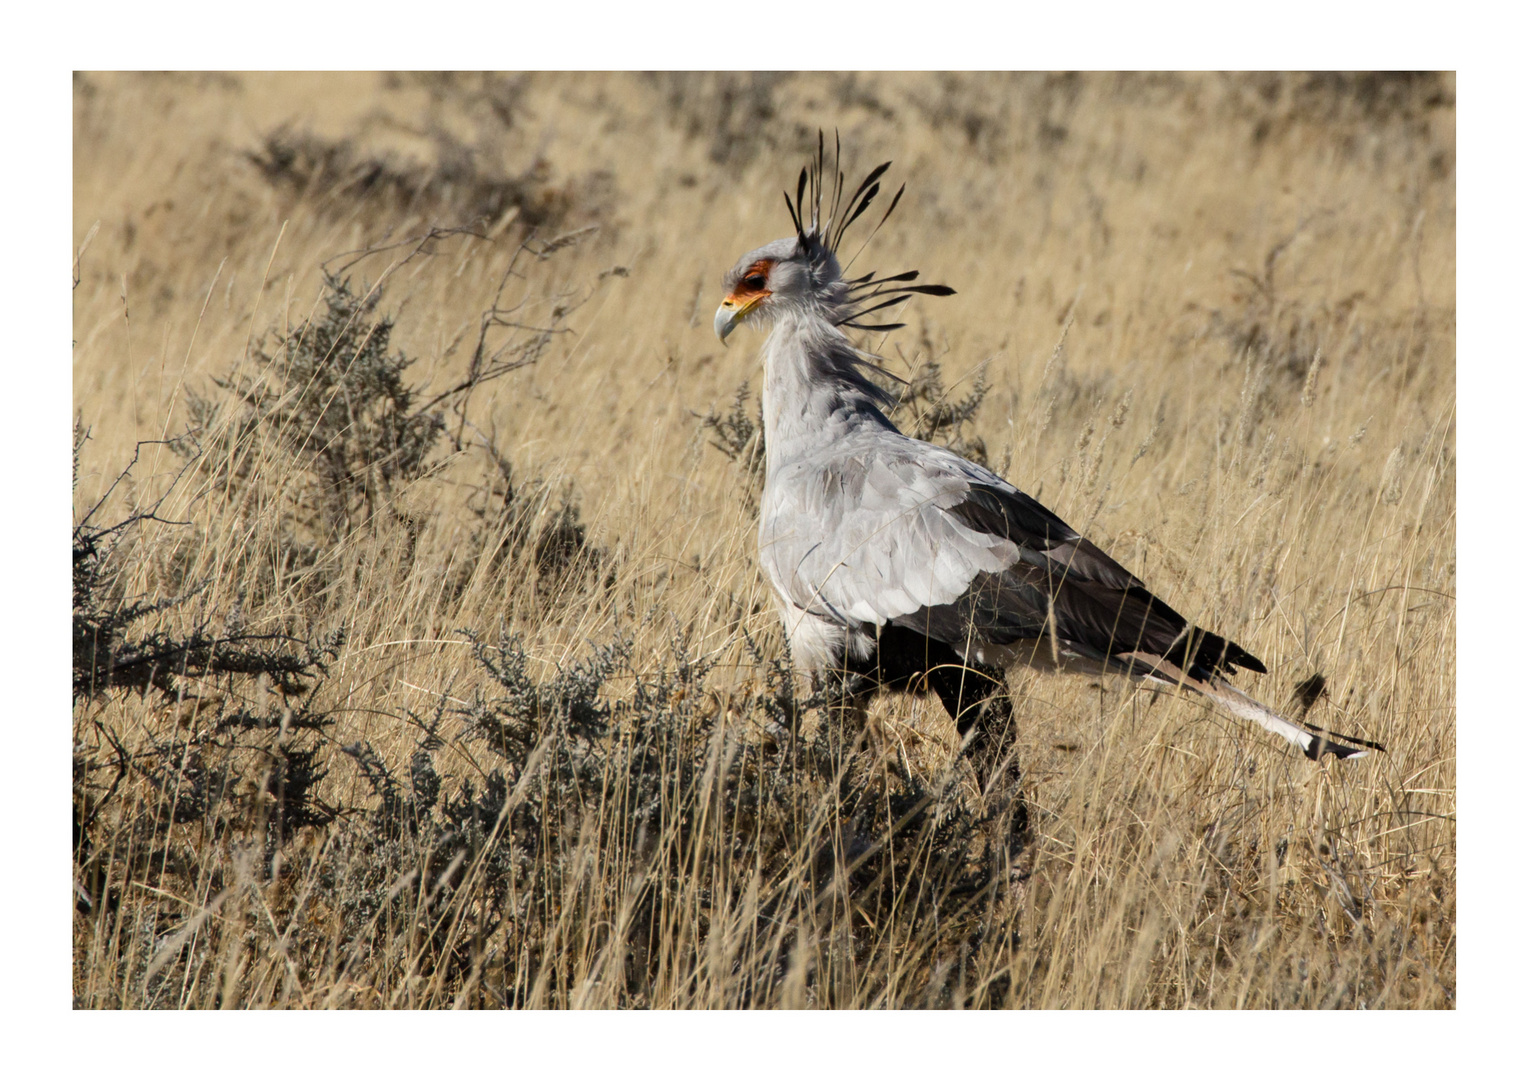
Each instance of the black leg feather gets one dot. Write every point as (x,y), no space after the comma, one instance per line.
(973,694)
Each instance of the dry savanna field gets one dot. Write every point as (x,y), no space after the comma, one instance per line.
(421,654)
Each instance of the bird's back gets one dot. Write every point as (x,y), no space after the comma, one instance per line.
(878,528)
(878,544)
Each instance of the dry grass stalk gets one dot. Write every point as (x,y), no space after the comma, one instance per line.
(555,759)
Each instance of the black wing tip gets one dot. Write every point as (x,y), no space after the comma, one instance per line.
(1242,658)
(1212,654)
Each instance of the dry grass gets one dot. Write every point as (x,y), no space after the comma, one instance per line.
(1217,318)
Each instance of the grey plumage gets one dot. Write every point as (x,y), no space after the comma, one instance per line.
(879,544)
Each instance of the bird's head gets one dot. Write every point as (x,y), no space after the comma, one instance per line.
(802,273)
(798,272)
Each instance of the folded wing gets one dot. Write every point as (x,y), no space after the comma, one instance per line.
(893,530)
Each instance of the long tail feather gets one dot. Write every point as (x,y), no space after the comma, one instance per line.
(1312,741)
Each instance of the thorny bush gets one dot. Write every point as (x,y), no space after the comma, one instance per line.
(327,423)
(582,813)
(584,832)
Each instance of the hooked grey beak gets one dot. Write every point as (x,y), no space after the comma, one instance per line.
(726,321)
(732,312)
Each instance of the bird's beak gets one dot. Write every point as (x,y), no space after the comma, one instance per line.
(731,313)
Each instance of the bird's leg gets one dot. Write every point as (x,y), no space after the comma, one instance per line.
(845,694)
(841,687)
(975,696)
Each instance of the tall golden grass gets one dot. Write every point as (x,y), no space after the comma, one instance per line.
(1217,317)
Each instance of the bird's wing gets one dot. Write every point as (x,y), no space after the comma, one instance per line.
(865,535)
(890,529)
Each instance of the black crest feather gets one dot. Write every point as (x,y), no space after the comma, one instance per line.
(867,293)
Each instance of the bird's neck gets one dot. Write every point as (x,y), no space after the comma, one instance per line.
(815,391)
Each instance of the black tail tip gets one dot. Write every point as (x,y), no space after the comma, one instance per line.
(1323,743)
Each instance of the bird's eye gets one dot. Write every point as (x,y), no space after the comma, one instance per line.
(753,282)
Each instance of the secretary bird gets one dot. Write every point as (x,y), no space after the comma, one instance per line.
(900,565)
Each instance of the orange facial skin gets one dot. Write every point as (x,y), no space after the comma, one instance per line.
(748,293)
